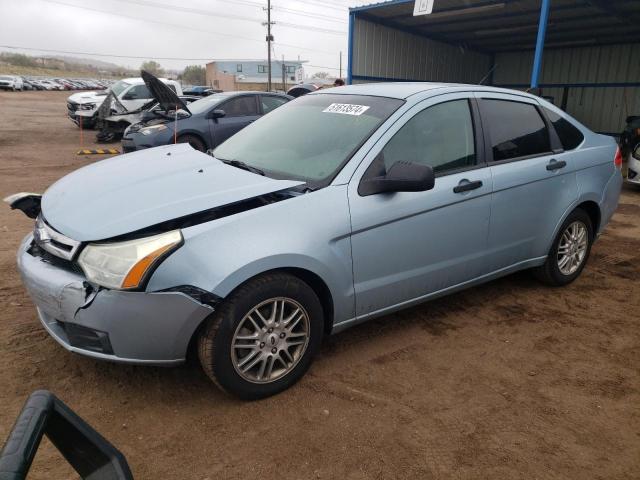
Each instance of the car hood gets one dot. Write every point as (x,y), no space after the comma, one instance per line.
(141,189)
(88,97)
(166,97)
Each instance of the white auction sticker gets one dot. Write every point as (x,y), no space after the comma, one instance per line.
(346,109)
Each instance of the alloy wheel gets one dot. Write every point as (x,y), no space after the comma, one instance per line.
(572,248)
(270,340)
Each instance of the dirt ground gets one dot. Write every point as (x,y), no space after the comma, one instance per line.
(507,380)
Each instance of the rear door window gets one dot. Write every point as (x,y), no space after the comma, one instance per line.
(241,107)
(139,92)
(516,129)
(271,103)
(570,136)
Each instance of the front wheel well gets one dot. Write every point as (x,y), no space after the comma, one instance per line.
(592,209)
(321,290)
(314,281)
(192,134)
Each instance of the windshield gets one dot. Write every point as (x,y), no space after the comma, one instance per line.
(310,138)
(119,87)
(206,103)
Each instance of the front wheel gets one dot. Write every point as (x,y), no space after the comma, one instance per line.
(569,252)
(263,337)
(195,142)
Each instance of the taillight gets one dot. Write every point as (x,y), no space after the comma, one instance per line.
(617,161)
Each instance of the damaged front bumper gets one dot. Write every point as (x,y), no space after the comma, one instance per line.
(128,327)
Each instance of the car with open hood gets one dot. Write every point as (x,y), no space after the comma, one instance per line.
(129,94)
(341,206)
(203,124)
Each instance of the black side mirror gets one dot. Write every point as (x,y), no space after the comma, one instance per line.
(216,114)
(401,177)
(90,454)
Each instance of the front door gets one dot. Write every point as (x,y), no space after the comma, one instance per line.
(409,245)
(239,112)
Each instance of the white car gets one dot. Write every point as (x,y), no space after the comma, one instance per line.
(633,165)
(132,93)
(11,82)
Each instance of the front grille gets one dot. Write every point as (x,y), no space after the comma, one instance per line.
(68,265)
(49,239)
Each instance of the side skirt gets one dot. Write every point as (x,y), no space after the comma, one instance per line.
(534,262)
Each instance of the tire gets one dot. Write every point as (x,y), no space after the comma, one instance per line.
(556,271)
(223,364)
(194,141)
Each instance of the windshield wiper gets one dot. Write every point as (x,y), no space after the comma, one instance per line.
(243,166)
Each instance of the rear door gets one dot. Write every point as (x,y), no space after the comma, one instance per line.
(534,181)
(408,245)
(239,112)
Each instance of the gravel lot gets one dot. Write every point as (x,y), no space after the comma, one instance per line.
(507,380)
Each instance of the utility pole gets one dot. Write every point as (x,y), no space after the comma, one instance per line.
(269,40)
(340,76)
(284,85)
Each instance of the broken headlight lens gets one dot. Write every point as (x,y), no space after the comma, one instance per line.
(125,265)
(153,129)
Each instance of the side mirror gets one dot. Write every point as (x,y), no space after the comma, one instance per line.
(90,454)
(216,114)
(401,177)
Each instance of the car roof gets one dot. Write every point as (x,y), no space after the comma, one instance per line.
(403,90)
(138,80)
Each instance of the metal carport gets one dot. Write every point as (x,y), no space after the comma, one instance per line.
(588,55)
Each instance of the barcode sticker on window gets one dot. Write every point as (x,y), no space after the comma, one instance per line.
(346,109)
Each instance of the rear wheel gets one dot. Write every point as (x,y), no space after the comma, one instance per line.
(262,339)
(194,141)
(569,252)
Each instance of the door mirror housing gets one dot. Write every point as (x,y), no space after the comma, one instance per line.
(401,177)
(129,96)
(216,114)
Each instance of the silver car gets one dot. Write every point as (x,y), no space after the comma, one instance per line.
(341,206)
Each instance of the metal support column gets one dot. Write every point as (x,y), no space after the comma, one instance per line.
(352,17)
(542,32)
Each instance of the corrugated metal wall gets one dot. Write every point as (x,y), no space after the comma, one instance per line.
(383,53)
(602,108)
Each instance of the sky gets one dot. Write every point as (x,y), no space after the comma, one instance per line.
(177,33)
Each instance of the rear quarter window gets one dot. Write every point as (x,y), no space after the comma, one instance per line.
(570,136)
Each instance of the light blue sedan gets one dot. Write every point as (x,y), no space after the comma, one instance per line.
(340,206)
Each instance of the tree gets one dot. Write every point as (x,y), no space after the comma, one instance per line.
(194,75)
(321,75)
(153,67)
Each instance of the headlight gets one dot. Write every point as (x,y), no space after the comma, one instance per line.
(153,129)
(87,106)
(125,265)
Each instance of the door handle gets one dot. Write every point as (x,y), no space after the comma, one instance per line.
(467,186)
(556,165)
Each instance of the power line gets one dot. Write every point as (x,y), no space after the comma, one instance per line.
(198,11)
(183,27)
(138,57)
(203,12)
